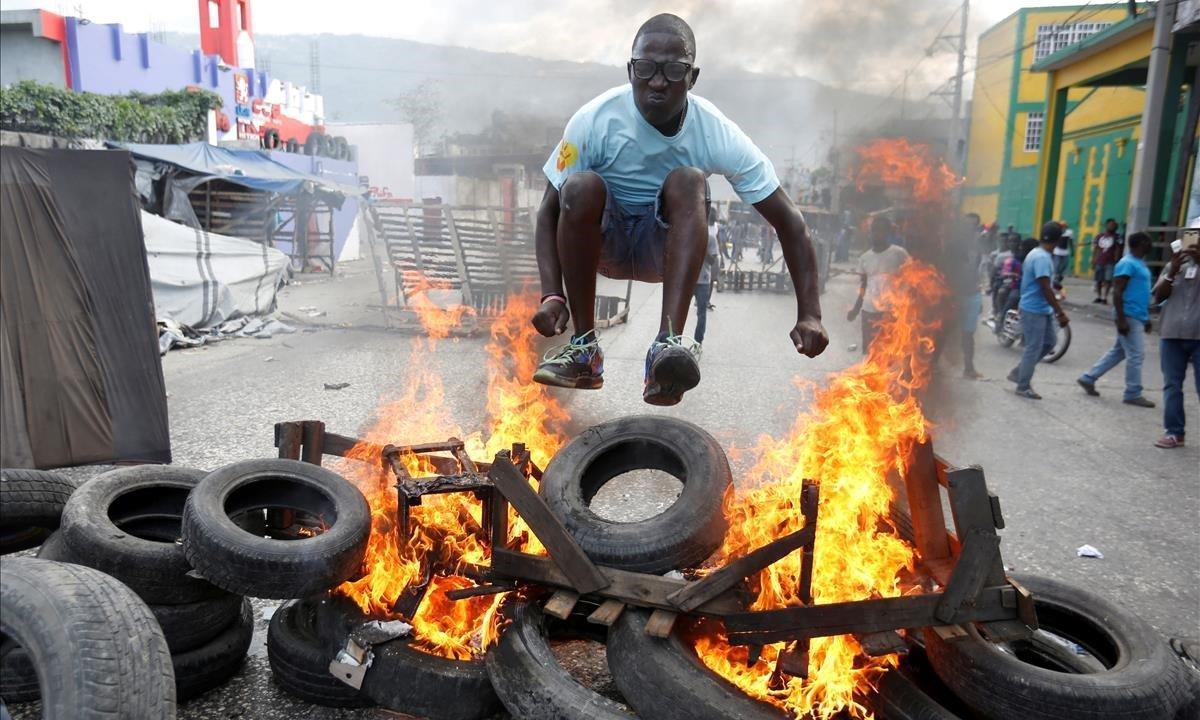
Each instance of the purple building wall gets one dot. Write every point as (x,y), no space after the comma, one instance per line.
(106,60)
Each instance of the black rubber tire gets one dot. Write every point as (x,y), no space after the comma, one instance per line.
(1061,347)
(409,681)
(292,146)
(300,659)
(529,680)
(270,139)
(247,564)
(185,626)
(665,680)
(312,143)
(209,666)
(16,539)
(898,697)
(18,679)
(32,498)
(1146,680)
(98,650)
(683,535)
(127,523)
(191,625)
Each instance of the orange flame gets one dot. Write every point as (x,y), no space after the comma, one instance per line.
(445,530)
(858,430)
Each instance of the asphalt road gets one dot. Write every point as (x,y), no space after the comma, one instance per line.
(1069,470)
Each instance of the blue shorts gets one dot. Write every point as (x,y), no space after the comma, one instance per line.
(635,238)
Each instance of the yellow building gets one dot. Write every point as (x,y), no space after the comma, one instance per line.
(1008,113)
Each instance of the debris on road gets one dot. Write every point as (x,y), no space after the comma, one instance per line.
(1089,552)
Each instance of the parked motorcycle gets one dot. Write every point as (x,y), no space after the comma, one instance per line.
(1010,333)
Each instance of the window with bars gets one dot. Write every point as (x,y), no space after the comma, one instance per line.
(1033,131)
(1054,37)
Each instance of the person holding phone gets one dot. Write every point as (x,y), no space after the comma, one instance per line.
(1179,287)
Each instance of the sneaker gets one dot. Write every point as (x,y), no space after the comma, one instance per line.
(1012,375)
(579,364)
(1029,393)
(671,370)
(1169,442)
(1089,388)
(1140,402)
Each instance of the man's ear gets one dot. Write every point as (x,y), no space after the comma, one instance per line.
(695,77)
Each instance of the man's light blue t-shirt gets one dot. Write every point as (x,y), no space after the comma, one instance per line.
(1137,292)
(1038,264)
(611,138)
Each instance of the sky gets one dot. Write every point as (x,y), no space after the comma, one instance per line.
(866,45)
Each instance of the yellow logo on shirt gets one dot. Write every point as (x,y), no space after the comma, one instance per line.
(567,155)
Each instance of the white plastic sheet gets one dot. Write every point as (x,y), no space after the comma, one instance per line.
(203,279)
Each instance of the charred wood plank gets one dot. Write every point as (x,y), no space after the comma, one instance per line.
(972,509)
(314,441)
(478,590)
(881,643)
(607,613)
(660,623)
(561,603)
(980,550)
(695,594)
(288,437)
(925,504)
(585,577)
(859,617)
(638,589)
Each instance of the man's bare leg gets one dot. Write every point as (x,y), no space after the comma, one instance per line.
(673,368)
(582,200)
(687,239)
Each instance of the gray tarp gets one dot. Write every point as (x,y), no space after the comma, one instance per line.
(202,279)
(81,376)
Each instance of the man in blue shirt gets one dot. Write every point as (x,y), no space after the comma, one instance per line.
(1039,309)
(1131,303)
(628,198)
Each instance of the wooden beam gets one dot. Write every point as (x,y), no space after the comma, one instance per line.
(637,589)
(561,603)
(660,623)
(979,553)
(925,504)
(584,576)
(478,590)
(881,643)
(859,617)
(314,441)
(972,509)
(288,438)
(695,594)
(607,613)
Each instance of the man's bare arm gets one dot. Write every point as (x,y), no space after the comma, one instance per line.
(1048,293)
(808,335)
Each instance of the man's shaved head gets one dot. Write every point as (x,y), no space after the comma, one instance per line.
(668,24)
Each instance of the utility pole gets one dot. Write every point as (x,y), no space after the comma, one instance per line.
(956,111)
(1146,160)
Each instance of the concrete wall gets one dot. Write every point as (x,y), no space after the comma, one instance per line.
(24,56)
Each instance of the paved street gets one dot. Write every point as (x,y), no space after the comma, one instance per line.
(1069,470)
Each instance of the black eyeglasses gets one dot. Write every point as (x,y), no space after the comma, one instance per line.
(647,69)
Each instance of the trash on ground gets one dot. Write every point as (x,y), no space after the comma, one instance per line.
(1089,551)
(337,386)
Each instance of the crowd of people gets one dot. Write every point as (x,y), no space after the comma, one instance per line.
(1024,278)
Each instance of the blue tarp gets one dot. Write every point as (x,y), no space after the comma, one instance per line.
(249,168)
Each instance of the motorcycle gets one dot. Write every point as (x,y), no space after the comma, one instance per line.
(1010,333)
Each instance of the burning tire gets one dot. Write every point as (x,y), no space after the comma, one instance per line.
(300,659)
(334,522)
(684,534)
(530,681)
(665,680)
(407,680)
(31,504)
(1142,679)
(98,650)
(210,665)
(127,523)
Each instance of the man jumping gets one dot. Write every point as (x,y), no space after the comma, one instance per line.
(628,197)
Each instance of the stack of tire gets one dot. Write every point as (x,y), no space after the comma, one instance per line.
(127,523)
(1126,672)
(31,504)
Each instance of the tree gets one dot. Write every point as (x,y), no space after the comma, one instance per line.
(421,107)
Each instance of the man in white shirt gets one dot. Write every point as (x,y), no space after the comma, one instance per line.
(875,269)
